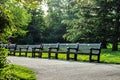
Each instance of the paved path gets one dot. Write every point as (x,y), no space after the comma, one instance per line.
(47,69)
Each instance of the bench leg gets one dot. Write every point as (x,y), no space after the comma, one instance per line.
(98,58)
(75,57)
(20,53)
(68,56)
(49,54)
(56,55)
(40,54)
(33,54)
(90,57)
(14,53)
(25,54)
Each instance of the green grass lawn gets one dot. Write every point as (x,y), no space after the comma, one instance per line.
(107,56)
(15,72)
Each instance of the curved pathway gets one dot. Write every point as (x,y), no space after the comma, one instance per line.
(49,69)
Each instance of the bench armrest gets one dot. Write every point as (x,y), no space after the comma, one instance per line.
(55,47)
(95,49)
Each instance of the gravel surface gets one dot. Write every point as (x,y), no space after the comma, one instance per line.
(49,69)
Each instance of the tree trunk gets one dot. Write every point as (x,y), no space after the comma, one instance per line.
(116,36)
(104,44)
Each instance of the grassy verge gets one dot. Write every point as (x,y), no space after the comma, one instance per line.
(15,72)
(107,56)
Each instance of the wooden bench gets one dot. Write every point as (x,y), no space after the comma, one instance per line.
(78,48)
(53,49)
(22,49)
(36,49)
(13,49)
(59,48)
(86,49)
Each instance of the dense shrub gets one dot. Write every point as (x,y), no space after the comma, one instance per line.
(7,74)
(3,60)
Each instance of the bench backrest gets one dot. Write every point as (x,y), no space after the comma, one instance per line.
(85,48)
(28,46)
(64,46)
(24,47)
(3,45)
(35,46)
(46,46)
(82,47)
(10,46)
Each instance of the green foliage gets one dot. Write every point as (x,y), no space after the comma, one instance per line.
(31,4)
(35,29)
(109,56)
(93,21)
(71,20)
(6,73)
(20,18)
(15,72)
(6,26)
(3,55)
(36,26)
(14,19)
(79,21)
(108,15)
(4,21)
(56,13)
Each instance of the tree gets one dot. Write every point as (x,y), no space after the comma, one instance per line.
(14,16)
(54,17)
(111,10)
(93,21)
(80,19)
(5,21)
(34,28)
